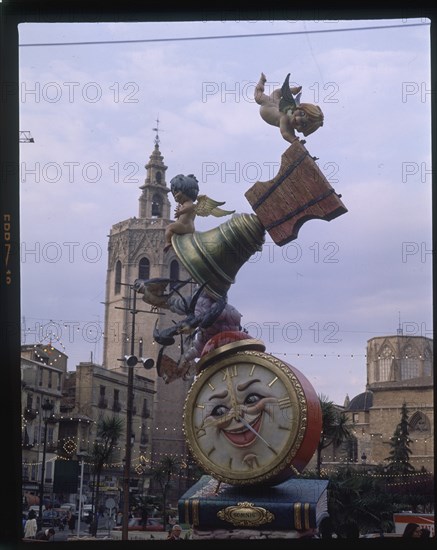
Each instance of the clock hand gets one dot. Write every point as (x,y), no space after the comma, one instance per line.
(231,390)
(249,427)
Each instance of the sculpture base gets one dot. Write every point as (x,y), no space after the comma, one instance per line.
(217,510)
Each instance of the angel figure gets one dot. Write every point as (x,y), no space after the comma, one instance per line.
(282,108)
(185,190)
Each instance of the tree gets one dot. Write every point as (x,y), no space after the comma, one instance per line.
(334,428)
(109,430)
(163,474)
(399,454)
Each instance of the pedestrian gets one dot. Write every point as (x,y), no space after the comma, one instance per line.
(175,533)
(71,520)
(412,531)
(45,534)
(30,527)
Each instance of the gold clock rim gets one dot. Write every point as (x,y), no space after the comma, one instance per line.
(226,349)
(288,378)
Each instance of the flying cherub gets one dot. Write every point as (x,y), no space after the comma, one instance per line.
(185,190)
(282,108)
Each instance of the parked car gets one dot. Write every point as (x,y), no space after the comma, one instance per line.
(136,524)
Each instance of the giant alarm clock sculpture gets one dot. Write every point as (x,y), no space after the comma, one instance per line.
(249,417)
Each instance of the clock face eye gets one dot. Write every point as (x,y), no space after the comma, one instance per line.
(242,417)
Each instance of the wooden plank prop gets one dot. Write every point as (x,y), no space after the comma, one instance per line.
(299,192)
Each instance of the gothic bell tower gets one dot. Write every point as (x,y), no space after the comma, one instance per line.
(136,251)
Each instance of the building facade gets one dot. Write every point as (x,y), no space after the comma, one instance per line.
(399,370)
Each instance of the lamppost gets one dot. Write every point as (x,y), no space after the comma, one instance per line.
(131,361)
(47,408)
(82,456)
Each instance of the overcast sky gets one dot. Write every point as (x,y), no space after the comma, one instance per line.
(91,108)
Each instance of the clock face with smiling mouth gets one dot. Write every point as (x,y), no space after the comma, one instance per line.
(247,418)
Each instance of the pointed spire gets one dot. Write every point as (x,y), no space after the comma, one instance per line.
(400,331)
(157,140)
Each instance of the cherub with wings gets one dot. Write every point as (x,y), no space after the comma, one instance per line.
(185,190)
(283,108)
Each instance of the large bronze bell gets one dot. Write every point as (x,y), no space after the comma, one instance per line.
(215,256)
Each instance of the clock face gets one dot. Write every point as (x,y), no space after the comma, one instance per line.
(245,417)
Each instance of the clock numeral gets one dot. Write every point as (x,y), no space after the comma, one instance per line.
(210,451)
(287,428)
(270,384)
(230,372)
(284,402)
(252,370)
(200,406)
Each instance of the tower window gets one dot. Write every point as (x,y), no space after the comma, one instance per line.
(158,177)
(117,287)
(144,269)
(156,205)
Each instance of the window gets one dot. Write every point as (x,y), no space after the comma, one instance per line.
(174,273)
(117,287)
(103,402)
(156,206)
(409,364)
(419,422)
(116,403)
(385,363)
(144,269)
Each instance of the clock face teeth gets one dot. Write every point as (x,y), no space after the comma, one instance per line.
(243,419)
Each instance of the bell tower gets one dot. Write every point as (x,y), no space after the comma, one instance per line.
(153,200)
(136,251)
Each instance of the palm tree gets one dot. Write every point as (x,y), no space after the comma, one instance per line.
(109,430)
(334,428)
(163,474)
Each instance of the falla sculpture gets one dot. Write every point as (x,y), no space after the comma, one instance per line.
(298,193)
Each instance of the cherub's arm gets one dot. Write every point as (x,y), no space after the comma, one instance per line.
(188,207)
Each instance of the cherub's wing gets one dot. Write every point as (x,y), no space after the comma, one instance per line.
(205,206)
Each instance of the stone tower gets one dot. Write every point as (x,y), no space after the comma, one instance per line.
(136,250)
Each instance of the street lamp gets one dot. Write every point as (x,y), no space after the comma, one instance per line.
(82,456)
(130,361)
(47,408)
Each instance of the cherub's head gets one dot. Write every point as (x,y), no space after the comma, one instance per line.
(306,118)
(314,117)
(188,185)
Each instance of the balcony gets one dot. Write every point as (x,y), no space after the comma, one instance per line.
(30,414)
(116,407)
(103,403)
(145,412)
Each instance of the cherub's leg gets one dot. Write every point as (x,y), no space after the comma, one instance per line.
(168,236)
(259,95)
